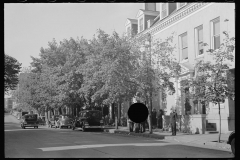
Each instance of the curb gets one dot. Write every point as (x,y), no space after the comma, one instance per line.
(134,134)
(204,143)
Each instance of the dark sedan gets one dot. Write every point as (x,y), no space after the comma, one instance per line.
(88,119)
(231,141)
(29,120)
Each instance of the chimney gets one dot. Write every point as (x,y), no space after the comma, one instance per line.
(149,23)
(150,6)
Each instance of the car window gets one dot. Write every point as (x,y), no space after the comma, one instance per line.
(95,114)
(31,117)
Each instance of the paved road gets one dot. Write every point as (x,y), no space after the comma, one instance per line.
(65,143)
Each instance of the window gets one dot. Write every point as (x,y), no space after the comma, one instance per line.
(141,24)
(180,5)
(215,34)
(129,31)
(164,10)
(184,46)
(199,40)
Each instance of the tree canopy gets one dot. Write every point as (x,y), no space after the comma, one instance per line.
(11,69)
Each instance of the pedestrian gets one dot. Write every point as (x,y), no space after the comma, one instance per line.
(103,118)
(154,119)
(173,120)
(106,120)
(159,119)
(137,127)
(142,126)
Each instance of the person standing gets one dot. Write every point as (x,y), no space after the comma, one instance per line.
(142,126)
(173,120)
(106,120)
(154,119)
(159,119)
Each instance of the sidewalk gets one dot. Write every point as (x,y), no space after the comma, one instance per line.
(199,139)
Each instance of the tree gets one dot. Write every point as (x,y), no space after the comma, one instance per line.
(108,70)
(57,72)
(25,93)
(157,65)
(12,68)
(214,82)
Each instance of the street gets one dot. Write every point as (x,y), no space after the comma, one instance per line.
(66,143)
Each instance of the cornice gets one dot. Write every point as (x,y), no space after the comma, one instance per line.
(178,15)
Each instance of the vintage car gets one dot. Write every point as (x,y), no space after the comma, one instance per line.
(53,121)
(64,121)
(21,114)
(231,141)
(29,120)
(88,119)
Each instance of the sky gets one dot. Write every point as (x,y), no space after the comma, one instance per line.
(28,27)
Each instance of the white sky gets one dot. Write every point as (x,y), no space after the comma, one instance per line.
(30,26)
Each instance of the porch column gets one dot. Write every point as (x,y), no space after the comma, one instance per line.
(176,93)
(160,99)
(191,101)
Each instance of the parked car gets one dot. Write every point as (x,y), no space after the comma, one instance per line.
(29,120)
(41,120)
(53,121)
(231,141)
(64,121)
(20,114)
(88,119)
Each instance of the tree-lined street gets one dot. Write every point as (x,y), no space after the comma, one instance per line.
(168,60)
(65,143)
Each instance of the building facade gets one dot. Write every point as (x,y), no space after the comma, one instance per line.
(8,103)
(192,24)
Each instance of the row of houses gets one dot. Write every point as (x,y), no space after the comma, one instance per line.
(192,24)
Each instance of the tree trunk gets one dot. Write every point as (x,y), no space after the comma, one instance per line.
(219,137)
(150,114)
(119,112)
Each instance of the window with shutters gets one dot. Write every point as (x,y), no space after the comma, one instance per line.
(129,31)
(164,10)
(199,40)
(183,46)
(215,33)
(141,24)
(180,5)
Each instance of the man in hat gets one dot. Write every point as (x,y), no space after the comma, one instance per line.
(173,120)
(159,118)
(154,118)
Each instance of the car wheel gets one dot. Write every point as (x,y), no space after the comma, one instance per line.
(233,146)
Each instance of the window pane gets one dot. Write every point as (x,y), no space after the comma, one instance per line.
(184,53)
(200,48)
(141,24)
(164,13)
(184,40)
(216,27)
(200,34)
(181,4)
(216,42)
(128,31)
(164,6)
